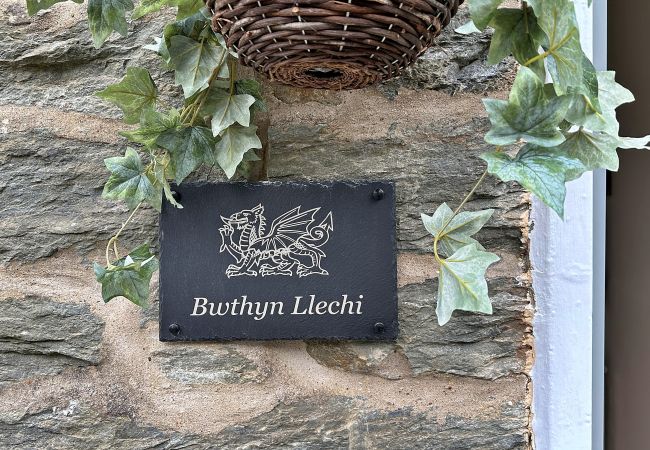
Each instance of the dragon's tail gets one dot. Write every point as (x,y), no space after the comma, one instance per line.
(319,234)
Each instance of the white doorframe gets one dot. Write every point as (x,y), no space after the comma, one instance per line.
(568,281)
(600,216)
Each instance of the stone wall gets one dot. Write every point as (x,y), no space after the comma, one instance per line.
(78,374)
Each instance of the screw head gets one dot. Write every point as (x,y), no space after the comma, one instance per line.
(379,327)
(174,329)
(176,195)
(378,194)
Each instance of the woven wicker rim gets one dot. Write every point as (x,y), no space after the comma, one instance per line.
(330,44)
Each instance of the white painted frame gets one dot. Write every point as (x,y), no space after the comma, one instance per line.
(568,281)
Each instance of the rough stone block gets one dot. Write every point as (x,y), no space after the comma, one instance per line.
(39,336)
(312,423)
(478,345)
(190,364)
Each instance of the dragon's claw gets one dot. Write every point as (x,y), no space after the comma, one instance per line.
(268,269)
(235,271)
(304,271)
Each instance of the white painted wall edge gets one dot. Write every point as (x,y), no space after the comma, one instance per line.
(600,221)
(562,256)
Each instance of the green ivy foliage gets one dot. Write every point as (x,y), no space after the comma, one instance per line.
(544,135)
(213,128)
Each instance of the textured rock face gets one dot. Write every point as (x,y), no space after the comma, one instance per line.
(78,374)
(334,423)
(480,346)
(456,63)
(39,336)
(207,365)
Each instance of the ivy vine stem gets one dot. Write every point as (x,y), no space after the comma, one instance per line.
(198,104)
(456,211)
(551,50)
(113,240)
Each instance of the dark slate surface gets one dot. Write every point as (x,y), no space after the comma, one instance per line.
(358,261)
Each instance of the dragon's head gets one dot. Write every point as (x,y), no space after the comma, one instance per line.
(241,219)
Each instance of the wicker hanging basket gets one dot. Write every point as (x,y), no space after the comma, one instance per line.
(330,44)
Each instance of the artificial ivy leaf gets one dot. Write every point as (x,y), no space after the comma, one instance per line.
(516,32)
(527,114)
(128,277)
(148,6)
(194,27)
(194,62)
(557,19)
(227,109)
(188,147)
(461,282)
(190,27)
(187,8)
(34,6)
(235,142)
(611,95)
(160,47)
(204,104)
(595,150)
(246,166)
(106,16)
(541,170)
(585,103)
(251,87)
(161,173)
(251,156)
(133,94)
(152,123)
(482,11)
(130,181)
(458,229)
(634,143)
(467,28)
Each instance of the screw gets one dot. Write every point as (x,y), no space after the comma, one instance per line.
(174,329)
(378,194)
(379,328)
(176,195)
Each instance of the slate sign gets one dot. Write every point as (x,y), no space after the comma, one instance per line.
(279,260)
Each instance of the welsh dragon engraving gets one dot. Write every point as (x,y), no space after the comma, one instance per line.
(291,246)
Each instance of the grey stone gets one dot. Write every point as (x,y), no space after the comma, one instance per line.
(60,69)
(405,429)
(201,365)
(39,336)
(56,171)
(50,186)
(476,345)
(150,313)
(427,171)
(471,344)
(330,423)
(375,358)
(455,63)
(57,204)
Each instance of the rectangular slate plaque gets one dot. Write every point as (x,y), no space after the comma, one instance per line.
(279,260)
